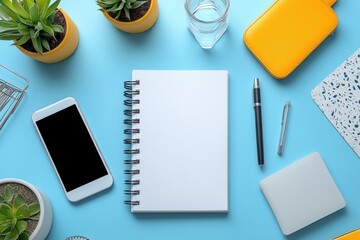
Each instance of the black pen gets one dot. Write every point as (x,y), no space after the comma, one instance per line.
(258,122)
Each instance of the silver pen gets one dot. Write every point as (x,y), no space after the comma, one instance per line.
(284,121)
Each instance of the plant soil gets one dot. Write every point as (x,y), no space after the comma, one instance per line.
(135,14)
(59,19)
(29,196)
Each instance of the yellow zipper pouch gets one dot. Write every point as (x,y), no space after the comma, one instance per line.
(287,32)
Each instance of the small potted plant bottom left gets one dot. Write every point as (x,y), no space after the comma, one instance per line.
(25,211)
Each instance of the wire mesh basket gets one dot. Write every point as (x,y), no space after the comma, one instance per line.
(12,90)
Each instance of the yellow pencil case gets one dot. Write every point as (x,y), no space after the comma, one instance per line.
(287,32)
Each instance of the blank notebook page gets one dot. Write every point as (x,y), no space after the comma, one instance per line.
(183,141)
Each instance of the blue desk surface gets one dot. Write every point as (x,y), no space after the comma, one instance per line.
(94,75)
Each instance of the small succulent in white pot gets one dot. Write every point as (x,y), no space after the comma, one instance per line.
(25,211)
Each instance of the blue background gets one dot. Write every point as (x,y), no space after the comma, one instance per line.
(94,75)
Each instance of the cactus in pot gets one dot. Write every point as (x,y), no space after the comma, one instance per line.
(31,21)
(39,29)
(118,6)
(131,16)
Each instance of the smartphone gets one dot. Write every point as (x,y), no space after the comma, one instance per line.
(72,149)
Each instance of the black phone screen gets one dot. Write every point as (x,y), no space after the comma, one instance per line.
(71,148)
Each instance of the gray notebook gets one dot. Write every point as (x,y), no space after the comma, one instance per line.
(302,193)
(338,97)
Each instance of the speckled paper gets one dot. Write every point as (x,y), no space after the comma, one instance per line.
(338,97)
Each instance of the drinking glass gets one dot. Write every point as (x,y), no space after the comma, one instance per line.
(207,20)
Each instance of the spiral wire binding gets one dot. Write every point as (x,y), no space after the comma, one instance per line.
(77,237)
(130,122)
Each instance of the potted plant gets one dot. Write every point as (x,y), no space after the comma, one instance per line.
(39,29)
(25,211)
(130,16)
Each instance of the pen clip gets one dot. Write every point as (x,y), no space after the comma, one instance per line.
(285,112)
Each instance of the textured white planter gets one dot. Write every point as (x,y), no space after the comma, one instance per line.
(43,227)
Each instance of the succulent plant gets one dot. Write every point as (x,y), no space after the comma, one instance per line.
(117,6)
(29,20)
(13,213)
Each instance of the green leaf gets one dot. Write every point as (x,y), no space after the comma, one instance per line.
(4,16)
(10,5)
(23,236)
(26,22)
(21,226)
(114,8)
(45,44)
(34,208)
(101,4)
(46,35)
(36,34)
(34,14)
(23,40)
(118,15)
(5,9)
(48,30)
(50,19)
(109,10)
(7,25)
(38,46)
(121,6)
(13,235)
(1,198)
(127,14)
(22,212)
(8,36)
(43,5)
(23,29)
(24,32)
(7,33)
(19,200)
(9,194)
(36,217)
(13,223)
(128,5)
(4,218)
(4,30)
(57,28)
(20,10)
(26,6)
(22,26)
(5,227)
(38,28)
(6,210)
(52,8)
(30,3)
(111,2)
(36,42)
(138,4)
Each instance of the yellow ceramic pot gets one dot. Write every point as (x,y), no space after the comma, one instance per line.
(64,50)
(142,24)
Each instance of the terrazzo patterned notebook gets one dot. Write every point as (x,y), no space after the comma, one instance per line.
(338,97)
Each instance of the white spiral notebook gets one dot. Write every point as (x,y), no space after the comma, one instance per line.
(177,145)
